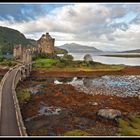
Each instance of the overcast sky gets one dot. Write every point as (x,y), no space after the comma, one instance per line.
(105,26)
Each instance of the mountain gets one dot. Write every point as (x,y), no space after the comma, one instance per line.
(132,51)
(60,51)
(77,48)
(10,37)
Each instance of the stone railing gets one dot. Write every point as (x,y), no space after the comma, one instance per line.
(16,79)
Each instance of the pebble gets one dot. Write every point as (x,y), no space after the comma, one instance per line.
(122,86)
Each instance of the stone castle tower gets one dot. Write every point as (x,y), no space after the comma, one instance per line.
(23,54)
(45,44)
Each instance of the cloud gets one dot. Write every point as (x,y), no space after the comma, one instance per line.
(103,25)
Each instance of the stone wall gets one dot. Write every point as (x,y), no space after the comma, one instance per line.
(22,54)
(22,72)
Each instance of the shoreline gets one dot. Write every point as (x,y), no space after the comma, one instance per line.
(122,55)
(128,70)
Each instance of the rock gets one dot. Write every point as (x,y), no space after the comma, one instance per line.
(95,103)
(44,110)
(33,90)
(109,113)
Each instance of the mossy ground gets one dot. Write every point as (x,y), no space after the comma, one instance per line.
(23,95)
(7,62)
(76,133)
(130,126)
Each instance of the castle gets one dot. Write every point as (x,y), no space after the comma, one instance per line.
(45,45)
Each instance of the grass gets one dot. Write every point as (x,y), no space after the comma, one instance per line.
(59,65)
(7,62)
(130,127)
(76,133)
(23,95)
(45,63)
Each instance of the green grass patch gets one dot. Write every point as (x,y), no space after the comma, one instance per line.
(69,65)
(45,63)
(130,127)
(23,95)
(76,133)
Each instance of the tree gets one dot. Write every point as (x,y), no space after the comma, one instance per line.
(88,58)
(67,57)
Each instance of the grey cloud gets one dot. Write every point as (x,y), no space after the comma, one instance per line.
(78,22)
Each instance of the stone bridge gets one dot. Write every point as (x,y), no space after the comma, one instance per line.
(11,122)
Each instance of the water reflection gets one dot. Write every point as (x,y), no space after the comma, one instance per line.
(108,85)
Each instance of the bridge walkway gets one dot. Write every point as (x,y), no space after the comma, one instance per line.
(8,122)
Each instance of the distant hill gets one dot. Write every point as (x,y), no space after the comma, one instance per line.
(132,51)
(10,37)
(77,48)
(60,50)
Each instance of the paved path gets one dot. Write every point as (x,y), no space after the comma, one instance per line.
(8,123)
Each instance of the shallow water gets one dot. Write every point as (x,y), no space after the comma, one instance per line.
(109,60)
(109,85)
(117,85)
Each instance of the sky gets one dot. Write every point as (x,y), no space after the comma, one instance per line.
(106,26)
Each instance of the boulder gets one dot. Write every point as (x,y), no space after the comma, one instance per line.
(109,113)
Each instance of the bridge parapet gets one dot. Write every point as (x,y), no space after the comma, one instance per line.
(21,73)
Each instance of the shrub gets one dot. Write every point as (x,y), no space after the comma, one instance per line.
(1,59)
(23,95)
(67,57)
(88,58)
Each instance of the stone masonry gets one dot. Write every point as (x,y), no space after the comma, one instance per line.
(23,54)
(45,44)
